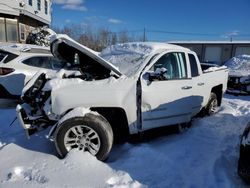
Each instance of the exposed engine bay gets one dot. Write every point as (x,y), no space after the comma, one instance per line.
(37,97)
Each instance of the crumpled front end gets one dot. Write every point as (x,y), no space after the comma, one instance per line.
(34,113)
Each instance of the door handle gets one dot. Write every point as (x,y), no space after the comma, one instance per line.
(187,87)
(201,84)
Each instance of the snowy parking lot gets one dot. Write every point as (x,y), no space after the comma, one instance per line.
(204,156)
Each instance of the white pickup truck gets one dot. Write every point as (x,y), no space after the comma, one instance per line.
(125,89)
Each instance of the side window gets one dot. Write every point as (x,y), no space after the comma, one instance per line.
(56,63)
(38,4)
(46,7)
(171,66)
(193,65)
(30,2)
(42,62)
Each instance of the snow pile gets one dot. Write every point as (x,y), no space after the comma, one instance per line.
(204,156)
(78,169)
(239,65)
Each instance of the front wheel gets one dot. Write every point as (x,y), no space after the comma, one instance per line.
(91,133)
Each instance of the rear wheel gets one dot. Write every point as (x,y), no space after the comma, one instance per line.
(91,133)
(212,105)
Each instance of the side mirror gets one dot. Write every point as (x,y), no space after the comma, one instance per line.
(157,75)
(161,71)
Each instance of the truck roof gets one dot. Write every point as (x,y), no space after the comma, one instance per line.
(130,57)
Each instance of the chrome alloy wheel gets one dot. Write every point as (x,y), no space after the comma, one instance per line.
(213,106)
(82,137)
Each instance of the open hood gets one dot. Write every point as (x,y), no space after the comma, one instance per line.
(65,48)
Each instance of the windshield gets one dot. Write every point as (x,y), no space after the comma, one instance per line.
(128,58)
(127,64)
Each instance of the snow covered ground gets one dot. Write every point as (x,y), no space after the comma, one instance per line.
(204,156)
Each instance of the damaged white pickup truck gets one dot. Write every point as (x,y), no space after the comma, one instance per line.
(125,89)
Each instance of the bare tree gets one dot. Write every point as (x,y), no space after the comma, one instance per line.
(96,39)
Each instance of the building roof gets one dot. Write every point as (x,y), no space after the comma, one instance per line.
(34,16)
(8,10)
(13,7)
(210,42)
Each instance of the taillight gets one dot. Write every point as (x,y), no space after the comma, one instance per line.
(5,71)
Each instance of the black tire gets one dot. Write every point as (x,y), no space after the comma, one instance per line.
(243,172)
(212,104)
(97,123)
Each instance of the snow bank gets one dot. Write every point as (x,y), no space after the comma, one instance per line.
(239,65)
(78,169)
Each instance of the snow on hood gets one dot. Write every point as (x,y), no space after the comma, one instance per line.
(57,82)
(130,57)
(239,65)
(65,48)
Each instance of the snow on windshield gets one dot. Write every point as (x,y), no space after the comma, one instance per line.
(240,64)
(127,57)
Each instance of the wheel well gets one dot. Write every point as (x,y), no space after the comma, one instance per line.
(218,91)
(118,121)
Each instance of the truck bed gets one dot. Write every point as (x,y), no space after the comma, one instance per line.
(208,67)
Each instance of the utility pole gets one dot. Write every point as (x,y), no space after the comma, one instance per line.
(144,35)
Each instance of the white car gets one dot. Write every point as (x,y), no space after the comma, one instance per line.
(126,89)
(19,63)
